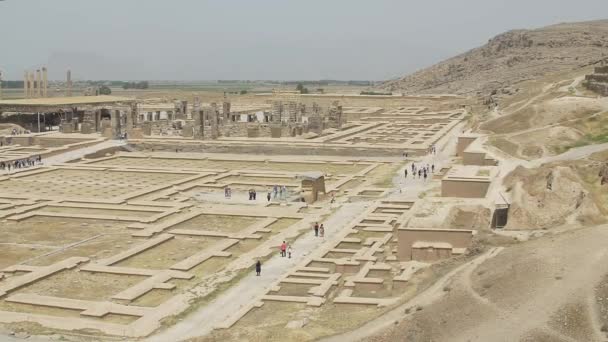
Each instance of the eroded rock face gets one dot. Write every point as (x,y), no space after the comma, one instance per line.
(509,58)
(603,174)
(538,206)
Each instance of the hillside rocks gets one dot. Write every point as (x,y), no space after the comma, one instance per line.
(510,58)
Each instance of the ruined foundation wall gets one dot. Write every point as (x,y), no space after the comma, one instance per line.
(264,149)
(406,238)
(464,188)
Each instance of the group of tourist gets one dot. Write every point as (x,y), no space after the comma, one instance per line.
(277,190)
(20,131)
(20,164)
(286,250)
(319,230)
(423,171)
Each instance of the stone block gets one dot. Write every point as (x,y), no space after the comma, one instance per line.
(275,131)
(87,128)
(253,132)
(136,133)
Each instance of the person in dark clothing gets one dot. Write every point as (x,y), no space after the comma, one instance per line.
(258,268)
(317,229)
(405,171)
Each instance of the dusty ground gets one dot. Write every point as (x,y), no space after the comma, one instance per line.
(537,290)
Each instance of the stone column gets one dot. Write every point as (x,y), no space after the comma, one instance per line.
(226,109)
(97,119)
(26,80)
(68,84)
(115,121)
(129,123)
(45,83)
(38,83)
(198,129)
(31,85)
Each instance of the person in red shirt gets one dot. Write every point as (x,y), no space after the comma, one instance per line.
(283,249)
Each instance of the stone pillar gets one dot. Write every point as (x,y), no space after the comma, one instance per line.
(226,109)
(196,106)
(38,83)
(97,120)
(115,120)
(68,84)
(198,128)
(211,116)
(129,121)
(45,83)
(276,111)
(31,85)
(26,81)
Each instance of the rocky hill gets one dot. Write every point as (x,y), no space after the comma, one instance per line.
(510,58)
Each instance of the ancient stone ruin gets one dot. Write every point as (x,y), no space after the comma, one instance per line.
(598,81)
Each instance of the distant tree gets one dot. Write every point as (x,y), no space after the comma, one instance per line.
(105,90)
(136,85)
(300,87)
(320,90)
(243,92)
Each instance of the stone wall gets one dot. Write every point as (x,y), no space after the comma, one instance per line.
(598,81)
(464,188)
(406,237)
(279,149)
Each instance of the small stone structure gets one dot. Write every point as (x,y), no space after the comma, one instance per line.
(467,181)
(313,183)
(428,244)
(598,81)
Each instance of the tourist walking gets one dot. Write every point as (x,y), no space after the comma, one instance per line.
(283,249)
(289,250)
(268,196)
(322,230)
(316,229)
(258,268)
(405,172)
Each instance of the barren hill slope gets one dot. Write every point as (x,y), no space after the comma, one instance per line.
(509,58)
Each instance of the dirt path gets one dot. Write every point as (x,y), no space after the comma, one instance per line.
(70,156)
(251,287)
(428,297)
(525,293)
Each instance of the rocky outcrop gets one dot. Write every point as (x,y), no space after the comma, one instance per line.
(598,81)
(510,58)
(603,174)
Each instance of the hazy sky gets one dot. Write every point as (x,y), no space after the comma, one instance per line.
(259,39)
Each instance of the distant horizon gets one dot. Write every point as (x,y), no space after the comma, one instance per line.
(201,81)
(263,40)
